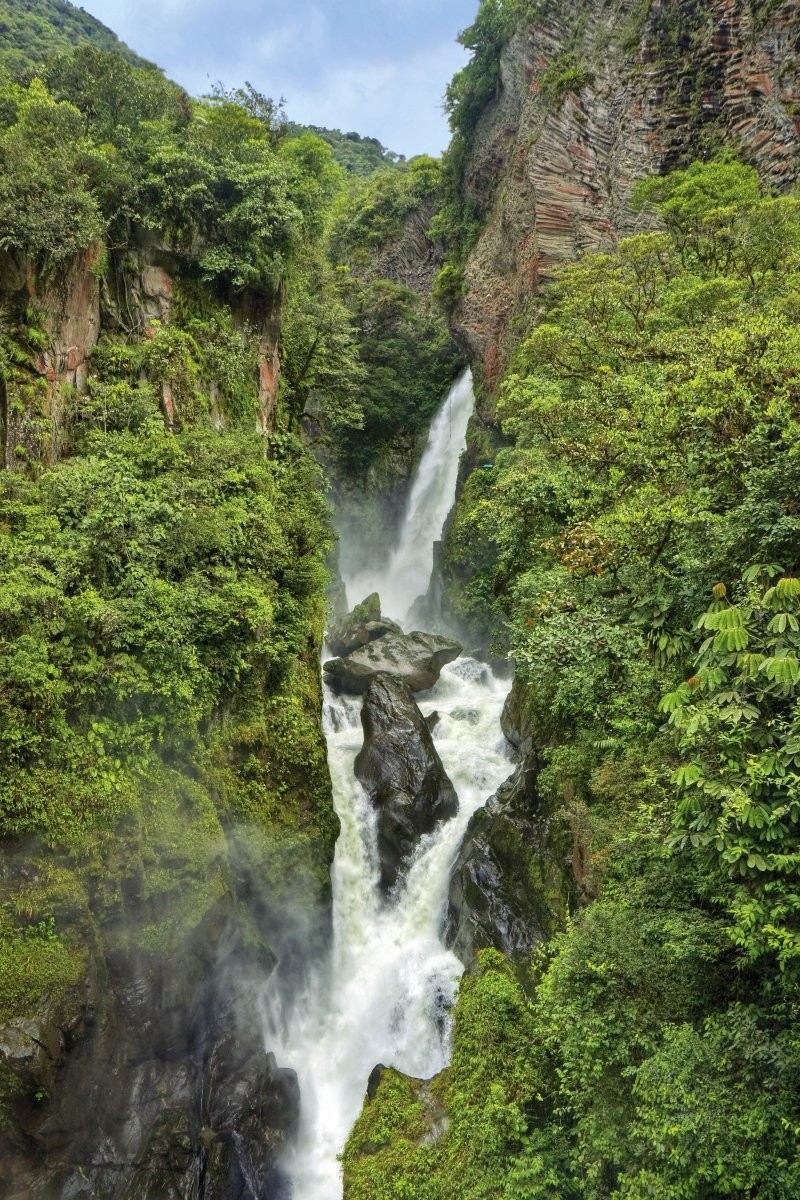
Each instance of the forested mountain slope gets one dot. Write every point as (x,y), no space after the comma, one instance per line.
(627,528)
(173,318)
(162,540)
(31,31)
(194,292)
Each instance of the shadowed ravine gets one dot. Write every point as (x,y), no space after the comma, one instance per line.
(385,992)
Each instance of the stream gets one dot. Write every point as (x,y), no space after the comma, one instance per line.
(385,993)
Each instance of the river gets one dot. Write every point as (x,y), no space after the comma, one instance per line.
(384,994)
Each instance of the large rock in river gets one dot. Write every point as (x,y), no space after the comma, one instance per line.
(416,658)
(402,773)
(360,627)
(506,889)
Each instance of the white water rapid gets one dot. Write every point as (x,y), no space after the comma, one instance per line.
(385,993)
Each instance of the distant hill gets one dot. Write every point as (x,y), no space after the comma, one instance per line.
(31,31)
(358,155)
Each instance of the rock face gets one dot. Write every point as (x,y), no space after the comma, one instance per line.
(402,773)
(133,295)
(503,888)
(416,658)
(167,1090)
(360,627)
(552,169)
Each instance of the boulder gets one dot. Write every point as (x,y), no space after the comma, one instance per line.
(402,773)
(516,719)
(416,658)
(503,885)
(360,627)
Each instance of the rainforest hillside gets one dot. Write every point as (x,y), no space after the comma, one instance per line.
(173,319)
(628,532)
(31,31)
(163,541)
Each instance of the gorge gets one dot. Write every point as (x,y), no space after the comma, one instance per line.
(495,896)
(387,990)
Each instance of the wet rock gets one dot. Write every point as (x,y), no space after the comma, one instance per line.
(416,658)
(248,1094)
(402,773)
(501,890)
(30,1049)
(515,719)
(360,627)
(167,1092)
(470,715)
(374,1082)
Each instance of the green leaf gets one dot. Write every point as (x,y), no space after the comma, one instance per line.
(688,775)
(729,640)
(784,669)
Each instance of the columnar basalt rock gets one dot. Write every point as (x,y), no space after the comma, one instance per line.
(552,169)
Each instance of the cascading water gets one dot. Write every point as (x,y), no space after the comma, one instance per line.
(385,993)
(408,571)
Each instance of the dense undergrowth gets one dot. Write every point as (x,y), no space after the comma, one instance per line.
(639,540)
(406,355)
(161,604)
(162,536)
(32,31)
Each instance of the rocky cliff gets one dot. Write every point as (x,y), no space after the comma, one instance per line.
(127,296)
(593,97)
(165,843)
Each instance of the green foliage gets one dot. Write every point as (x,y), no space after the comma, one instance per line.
(737,718)
(563,75)
(110,143)
(358,155)
(365,356)
(457,1138)
(371,214)
(717,1110)
(114,95)
(35,30)
(48,173)
(475,85)
(450,286)
(34,959)
(321,363)
(146,584)
(408,360)
(652,450)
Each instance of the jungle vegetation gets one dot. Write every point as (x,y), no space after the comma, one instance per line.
(637,538)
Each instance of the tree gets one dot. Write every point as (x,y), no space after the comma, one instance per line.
(739,728)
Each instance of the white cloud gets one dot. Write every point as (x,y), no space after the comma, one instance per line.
(398,102)
(351,65)
(309,38)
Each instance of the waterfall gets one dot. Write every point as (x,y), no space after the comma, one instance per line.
(386,991)
(408,571)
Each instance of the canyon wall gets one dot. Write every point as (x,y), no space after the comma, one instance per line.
(594,97)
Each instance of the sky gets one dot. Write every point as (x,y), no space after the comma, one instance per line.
(379,67)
